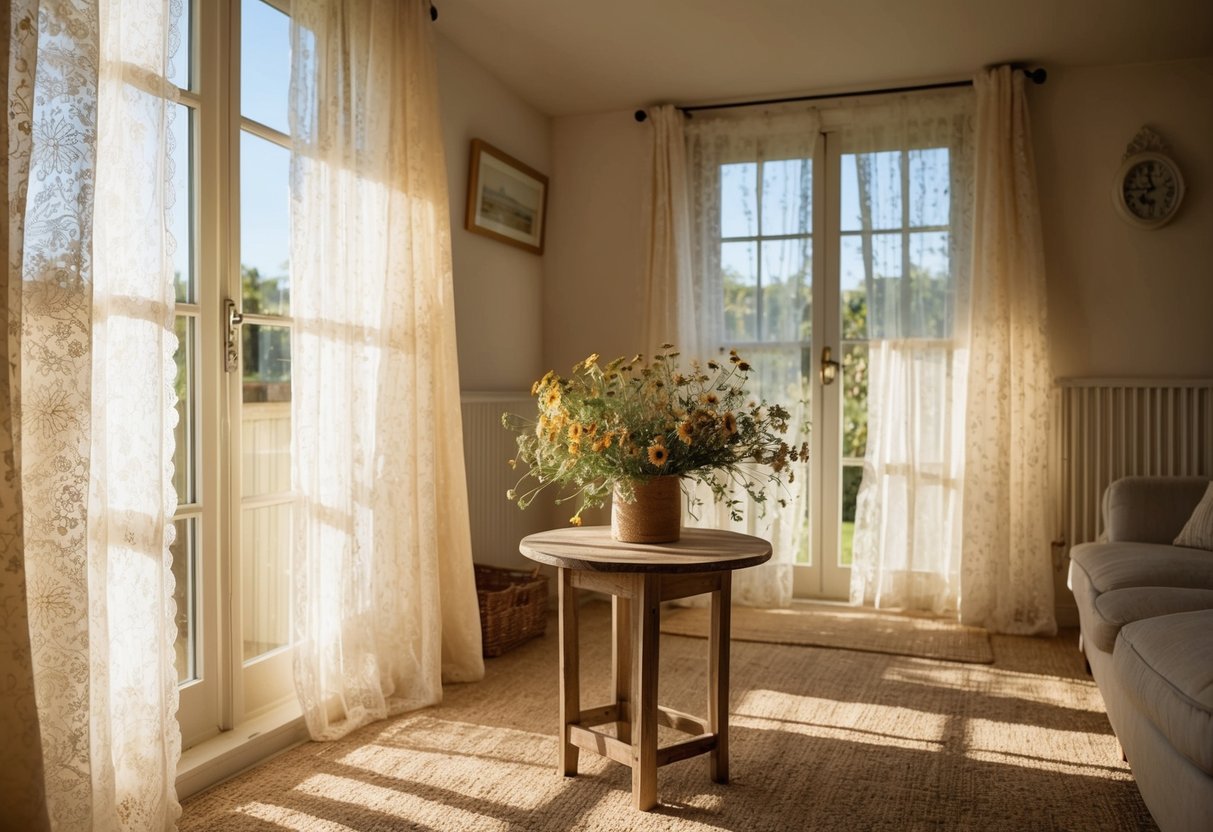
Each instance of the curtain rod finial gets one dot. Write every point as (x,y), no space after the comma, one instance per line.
(1036,76)
(640,115)
(433,12)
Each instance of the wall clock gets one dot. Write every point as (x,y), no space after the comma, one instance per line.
(1149,186)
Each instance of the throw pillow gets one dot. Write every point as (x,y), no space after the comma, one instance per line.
(1198,531)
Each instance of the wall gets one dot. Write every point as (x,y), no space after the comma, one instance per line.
(498,288)
(1125,301)
(594,269)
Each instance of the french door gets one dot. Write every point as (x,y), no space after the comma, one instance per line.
(807,245)
(231,560)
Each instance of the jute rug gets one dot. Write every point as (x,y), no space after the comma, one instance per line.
(819,740)
(847,628)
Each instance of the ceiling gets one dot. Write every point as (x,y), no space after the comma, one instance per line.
(582,56)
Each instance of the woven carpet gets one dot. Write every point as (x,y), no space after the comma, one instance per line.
(847,628)
(820,740)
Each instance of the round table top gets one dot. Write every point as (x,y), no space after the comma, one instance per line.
(593,548)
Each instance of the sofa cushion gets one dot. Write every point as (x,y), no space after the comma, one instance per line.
(1198,531)
(1119,607)
(1109,566)
(1165,666)
(1150,509)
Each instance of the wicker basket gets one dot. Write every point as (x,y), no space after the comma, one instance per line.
(513,607)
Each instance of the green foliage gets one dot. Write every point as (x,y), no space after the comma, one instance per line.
(628,422)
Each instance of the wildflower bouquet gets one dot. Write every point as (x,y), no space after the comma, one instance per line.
(605,429)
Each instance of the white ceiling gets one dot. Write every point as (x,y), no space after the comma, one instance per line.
(583,56)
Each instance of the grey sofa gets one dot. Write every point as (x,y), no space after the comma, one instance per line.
(1146,612)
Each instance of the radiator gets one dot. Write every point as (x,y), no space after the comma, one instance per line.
(1112,428)
(497,523)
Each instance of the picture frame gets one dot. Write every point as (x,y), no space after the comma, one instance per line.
(507,200)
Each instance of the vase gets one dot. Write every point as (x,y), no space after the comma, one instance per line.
(654,514)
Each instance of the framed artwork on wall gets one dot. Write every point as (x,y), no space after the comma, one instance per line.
(507,200)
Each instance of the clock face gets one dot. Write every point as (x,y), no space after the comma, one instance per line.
(1149,189)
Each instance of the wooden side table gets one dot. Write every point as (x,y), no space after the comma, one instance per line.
(638,577)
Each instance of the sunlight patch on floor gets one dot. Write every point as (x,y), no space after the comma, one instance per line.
(885,725)
(1006,743)
(282,817)
(1075,694)
(388,801)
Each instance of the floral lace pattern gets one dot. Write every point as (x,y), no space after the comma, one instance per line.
(385,598)
(89,348)
(1007,574)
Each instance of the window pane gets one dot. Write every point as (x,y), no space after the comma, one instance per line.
(181,225)
(871,191)
(265,64)
(185,595)
(930,285)
(264,226)
(786,287)
(265,590)
(266,351)
(854,400)
(181,16)
(184,479)
(266,446)
(852,476)
(930,188)
(874,270)
(787,197)
(739,200)
(739,272)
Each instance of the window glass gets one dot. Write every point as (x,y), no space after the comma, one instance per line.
(738,200)
(787,204)
(265,64)
(181,225)
(264,226)
(181,44)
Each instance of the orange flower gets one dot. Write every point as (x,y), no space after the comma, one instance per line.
(686,432)
(658,455)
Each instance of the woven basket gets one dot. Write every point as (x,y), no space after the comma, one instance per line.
(513,607)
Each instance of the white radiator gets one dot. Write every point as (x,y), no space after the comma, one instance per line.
(1112,428)
(497,523)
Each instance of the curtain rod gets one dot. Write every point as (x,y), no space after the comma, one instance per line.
(1036,76)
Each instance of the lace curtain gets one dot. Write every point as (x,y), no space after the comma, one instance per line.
(385,596)
(722,155)
(88,416)
(907,207)
(1007,575)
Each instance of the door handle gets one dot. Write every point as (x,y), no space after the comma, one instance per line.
(829,367)
(231,337)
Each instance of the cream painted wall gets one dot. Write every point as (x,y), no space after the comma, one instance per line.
(593,294)
(498,288)
(1124,301)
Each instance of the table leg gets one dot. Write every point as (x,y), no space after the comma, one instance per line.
(621,664)
(718,679)
(645,622)
(570,673)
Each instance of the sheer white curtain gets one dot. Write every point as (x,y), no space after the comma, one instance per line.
(385,596)
(906,244)
(724,158)
(88,414)
(1007,574)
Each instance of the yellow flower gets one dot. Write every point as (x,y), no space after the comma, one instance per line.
(575,431)
(686,432)
(729,423)
(575,520)
(574,449)
(589,362)
(535,388)
(552,398)
(601,445)
(709,398)
(658,455)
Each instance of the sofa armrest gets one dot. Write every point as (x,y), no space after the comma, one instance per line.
(1150,509)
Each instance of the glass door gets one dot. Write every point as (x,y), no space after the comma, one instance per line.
(231,153)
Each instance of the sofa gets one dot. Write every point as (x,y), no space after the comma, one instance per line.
(1145,607)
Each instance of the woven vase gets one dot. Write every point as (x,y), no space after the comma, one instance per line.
(653,516)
